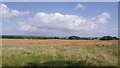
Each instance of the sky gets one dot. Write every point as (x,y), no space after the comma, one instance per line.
(86,19)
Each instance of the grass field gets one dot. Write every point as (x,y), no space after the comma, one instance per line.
(24,52)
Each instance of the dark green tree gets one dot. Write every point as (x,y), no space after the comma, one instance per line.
(106,38)
(115,38)
(74,38)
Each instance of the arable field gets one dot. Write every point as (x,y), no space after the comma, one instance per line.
(24,52)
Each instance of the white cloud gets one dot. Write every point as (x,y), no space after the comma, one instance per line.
(8,13)
(79,6)
(102,19)
(60,22)
(25,27)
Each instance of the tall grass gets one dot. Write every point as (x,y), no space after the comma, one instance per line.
(60,56)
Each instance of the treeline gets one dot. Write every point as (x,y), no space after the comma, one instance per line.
(27,37)
(82,38)
(67,38)
(95,38)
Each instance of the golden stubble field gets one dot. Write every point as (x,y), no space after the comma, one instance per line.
(52,42)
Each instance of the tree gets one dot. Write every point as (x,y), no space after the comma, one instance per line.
(115,38)
(74,38)
(106,38)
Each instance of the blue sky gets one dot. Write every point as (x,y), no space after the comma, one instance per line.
(29,18)
(60,0)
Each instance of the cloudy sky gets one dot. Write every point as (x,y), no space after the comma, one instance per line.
(59,18)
